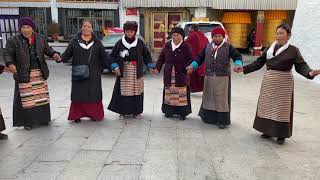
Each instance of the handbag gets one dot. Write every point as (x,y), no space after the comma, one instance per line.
(81,72)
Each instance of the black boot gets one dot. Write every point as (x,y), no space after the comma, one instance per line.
(280,141)
(182,118)
(77,121)
(167,115)
(222,126)
(28,128)
(3,136)
(265,136)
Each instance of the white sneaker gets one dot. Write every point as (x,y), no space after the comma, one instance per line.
(138,116)
(121,117)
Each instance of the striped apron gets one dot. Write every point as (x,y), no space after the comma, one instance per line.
(129,84)
(35,92)
(175,96)
(275,98)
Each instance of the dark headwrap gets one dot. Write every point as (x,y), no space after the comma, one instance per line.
(130,25)
(26,21)
(178,30)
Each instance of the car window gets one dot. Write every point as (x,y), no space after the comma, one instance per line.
(111,38)
(114,38)
(202,27)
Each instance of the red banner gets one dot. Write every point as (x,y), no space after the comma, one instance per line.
(132,12)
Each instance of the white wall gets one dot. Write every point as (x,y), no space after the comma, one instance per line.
(306,32)
(124,17)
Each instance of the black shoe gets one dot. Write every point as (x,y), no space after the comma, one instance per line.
(28,128)
(3,136)
(45,124)
(222,126)
(77,121)
(280,140)
(182,118)
(265,136)
(167,115)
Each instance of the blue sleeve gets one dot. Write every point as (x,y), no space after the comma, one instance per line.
(114,65)
(238,62)
(151,65)
(194,64)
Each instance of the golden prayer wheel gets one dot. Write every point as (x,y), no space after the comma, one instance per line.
(237,27)
(272,19)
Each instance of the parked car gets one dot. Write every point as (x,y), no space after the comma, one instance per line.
(204,27)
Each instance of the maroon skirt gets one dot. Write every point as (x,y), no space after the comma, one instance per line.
(90,110)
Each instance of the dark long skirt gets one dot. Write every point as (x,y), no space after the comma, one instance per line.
(125,105)
(171,110)
(215,107)
(2,124)
(274,115)
(31,102)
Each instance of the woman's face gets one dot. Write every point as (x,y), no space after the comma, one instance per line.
(177,38)
(217,39)
(129,33)
(26,31)
(86,28)
(282,36)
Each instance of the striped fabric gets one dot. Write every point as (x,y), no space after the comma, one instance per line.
(35,93)
(175,96)
(276,96)
(129,84)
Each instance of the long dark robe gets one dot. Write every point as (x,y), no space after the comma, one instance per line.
(37,115)
(281,63)
(90,90)
(128,105)
(176,60)
(86,95)
(225,53)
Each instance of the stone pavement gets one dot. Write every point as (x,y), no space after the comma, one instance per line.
(156,147)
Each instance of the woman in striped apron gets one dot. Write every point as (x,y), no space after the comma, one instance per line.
(127,61)
(24,55)
(216,100)
(274,116)
(175,57)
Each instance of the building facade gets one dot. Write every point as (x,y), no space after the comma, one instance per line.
(157,17)
(68,13)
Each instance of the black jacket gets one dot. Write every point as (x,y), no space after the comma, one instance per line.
(17,53)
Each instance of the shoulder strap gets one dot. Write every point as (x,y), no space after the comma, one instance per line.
(90,53)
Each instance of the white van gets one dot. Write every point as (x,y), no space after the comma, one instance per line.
(204,27)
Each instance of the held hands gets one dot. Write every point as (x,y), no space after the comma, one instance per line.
(12,68)
(57,57)
(238,69)
(314,73)
(189,70)
(117,72)
(154,71)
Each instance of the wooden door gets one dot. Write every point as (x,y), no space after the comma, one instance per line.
(159,29)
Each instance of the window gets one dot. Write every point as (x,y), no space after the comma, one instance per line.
(74,18)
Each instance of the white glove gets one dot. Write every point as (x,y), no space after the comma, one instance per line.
(124,53)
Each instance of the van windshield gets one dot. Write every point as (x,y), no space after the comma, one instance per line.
(202,27)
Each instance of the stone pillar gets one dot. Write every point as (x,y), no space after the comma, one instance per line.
(54,11)
(259,34)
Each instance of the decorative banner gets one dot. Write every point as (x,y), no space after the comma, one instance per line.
(132,12)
